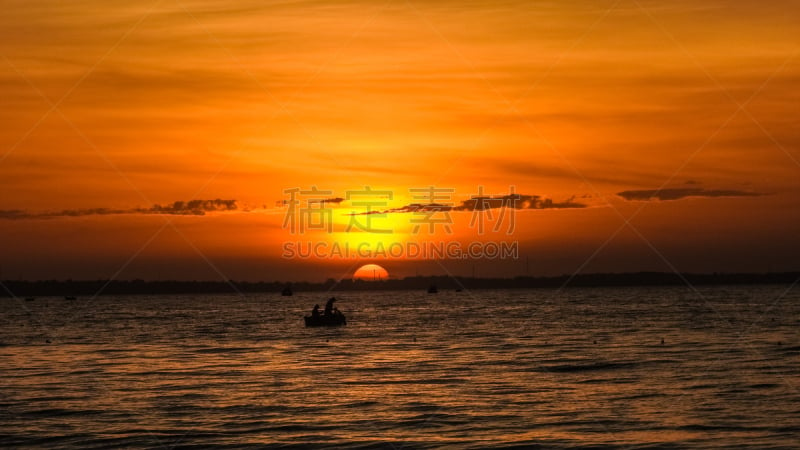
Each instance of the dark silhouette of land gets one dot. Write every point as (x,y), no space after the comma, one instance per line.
(21,288)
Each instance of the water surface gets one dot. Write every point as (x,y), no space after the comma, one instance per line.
(480,369)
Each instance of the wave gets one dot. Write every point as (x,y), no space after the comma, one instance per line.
(596,366)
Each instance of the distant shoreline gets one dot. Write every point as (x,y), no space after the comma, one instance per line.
(21,288)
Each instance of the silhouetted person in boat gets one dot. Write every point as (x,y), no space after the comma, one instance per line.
(315,311)
(329,306)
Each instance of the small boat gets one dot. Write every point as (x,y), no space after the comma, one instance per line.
(332,317)
(333,320)
(69,297)
(30,299)
(432,289)
(287,291)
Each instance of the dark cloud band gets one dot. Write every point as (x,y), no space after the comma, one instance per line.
(181,208)
(483,203)
(679,193)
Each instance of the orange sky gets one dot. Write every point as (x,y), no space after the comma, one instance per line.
(123,107)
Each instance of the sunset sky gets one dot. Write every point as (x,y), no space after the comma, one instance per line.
(645,135)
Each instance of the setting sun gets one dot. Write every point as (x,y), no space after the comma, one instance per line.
(371,272)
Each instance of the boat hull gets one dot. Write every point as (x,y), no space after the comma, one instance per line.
(325,321)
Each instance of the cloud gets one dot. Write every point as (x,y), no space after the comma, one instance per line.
(516,201)
(192,207)
(180,208)
(483,203)
(679,193)
(11,214)
(335,200)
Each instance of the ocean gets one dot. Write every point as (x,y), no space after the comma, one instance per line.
(579,368)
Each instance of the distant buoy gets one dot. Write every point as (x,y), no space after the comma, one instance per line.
(662,341)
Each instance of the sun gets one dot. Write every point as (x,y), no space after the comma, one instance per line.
(371,272)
